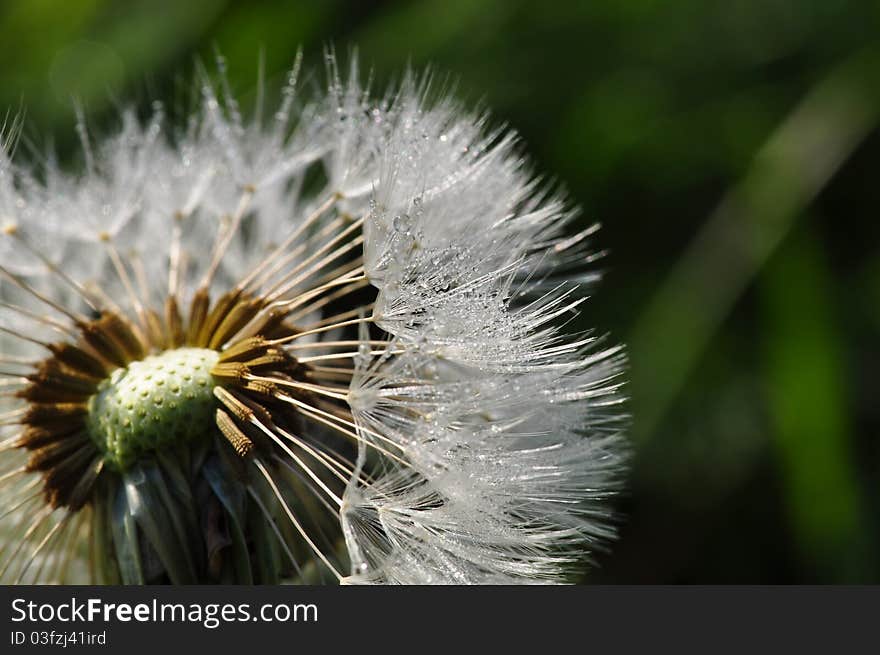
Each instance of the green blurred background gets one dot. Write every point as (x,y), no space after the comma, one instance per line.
(730,149)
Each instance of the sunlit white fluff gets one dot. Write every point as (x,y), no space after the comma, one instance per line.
(488,438)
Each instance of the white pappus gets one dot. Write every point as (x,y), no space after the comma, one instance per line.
(326,345)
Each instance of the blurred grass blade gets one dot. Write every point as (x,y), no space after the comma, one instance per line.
(797,161)
(808,405)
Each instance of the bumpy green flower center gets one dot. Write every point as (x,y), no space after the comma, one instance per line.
(153,403)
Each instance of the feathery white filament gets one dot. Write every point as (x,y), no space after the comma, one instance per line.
(485,440)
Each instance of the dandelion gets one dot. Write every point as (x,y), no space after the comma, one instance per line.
(326,345)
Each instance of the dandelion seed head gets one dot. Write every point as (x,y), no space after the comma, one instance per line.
(159,400)
(325,344)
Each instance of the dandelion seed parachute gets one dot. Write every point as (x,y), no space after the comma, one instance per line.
(324,346)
